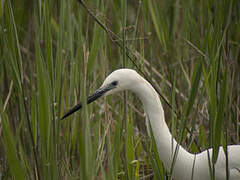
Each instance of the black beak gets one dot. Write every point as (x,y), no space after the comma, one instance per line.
(100,92)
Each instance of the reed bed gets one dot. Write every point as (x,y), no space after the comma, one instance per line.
(55,53)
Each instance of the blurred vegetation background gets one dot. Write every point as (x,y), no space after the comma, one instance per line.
(54,53)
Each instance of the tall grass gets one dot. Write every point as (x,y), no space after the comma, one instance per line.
(54,53)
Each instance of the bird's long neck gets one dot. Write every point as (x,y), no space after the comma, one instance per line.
(165,142)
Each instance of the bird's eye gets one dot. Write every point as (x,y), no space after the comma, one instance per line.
(114,83)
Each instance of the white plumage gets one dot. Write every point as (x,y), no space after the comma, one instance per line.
(187,166)
(130,80)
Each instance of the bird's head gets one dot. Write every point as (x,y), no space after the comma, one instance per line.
(119,80)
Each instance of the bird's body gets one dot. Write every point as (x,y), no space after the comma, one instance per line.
(187,165)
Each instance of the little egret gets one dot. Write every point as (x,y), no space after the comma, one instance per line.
(187,165)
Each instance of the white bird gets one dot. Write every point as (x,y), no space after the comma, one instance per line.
(187,165)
